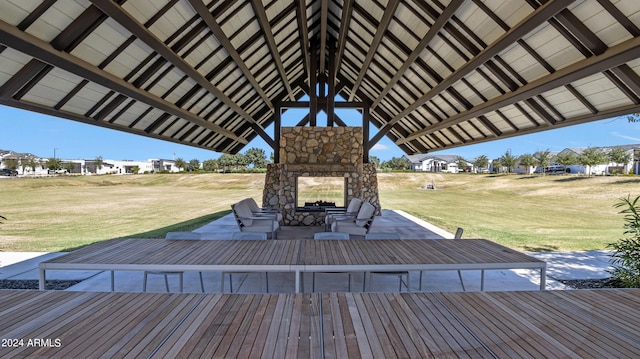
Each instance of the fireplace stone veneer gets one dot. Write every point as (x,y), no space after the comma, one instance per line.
(318,152)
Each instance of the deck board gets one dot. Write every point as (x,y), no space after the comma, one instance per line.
(544,324)
(571,324)
(397,325)
(292,256)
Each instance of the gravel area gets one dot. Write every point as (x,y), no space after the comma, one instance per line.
(591,283)
(64,284)
(34,284)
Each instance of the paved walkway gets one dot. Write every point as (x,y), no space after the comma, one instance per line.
(560,265)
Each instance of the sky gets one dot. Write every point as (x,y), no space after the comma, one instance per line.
(45,136)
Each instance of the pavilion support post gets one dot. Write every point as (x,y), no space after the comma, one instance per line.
(365,134)
(313,96)
(277,124)
(332,87)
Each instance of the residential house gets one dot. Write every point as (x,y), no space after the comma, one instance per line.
(431,163)
(87,167)
(608,168)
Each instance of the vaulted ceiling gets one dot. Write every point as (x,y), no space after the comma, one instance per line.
(429,74)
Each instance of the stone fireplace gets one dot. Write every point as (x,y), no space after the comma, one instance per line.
(318,152)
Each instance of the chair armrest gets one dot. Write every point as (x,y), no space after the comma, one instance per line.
(334,210)
(267,211)
(257,218)
(261,215)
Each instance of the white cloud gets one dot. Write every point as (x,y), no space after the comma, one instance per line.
(616,134)
(379,147)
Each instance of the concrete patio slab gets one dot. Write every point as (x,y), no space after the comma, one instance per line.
(560,265)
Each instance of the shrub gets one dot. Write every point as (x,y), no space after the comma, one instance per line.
(625,258)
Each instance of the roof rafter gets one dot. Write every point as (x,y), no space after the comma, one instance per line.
(43,51)
(207,17)
(324,18)
(301,14)
(446,15)
(615,56)
(261,15)
(345,20)
(87,120)
(377,39)
(535,19)
(137,29)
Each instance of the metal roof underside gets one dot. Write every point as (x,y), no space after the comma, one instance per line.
(434,74)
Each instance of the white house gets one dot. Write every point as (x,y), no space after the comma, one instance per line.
(430,163)
(608,168)
(87,166)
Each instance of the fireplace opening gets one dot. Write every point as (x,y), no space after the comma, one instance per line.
(319,193)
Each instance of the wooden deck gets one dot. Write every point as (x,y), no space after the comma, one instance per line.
(295,256)
(549,324)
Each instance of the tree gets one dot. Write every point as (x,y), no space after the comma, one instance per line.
(135,169)
(527,161)
(180,163)
(620,156)
(54,164)
(566,158)
(625,258)
(397,163)
(509,161)
(240,161)
(193,165)
(99,163)
(210,165)
(481,161)
(543,158)
(256,157)
(375,160)
(31,163)
(232,161)
(497,165)
(461,163)
(69,167)
(11,163)
(590,157)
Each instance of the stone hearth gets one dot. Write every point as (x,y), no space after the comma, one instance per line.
(318,152)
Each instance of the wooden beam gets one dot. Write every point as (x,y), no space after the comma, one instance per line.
(528,24)
(43,51)
(615,56)
(313,82)
(345,20)
(331,85)
(377,39)
(301,12)
(366,146)
(116,12)
(207,17)
(439,23)
(277,127)
(261,15)
(324,17)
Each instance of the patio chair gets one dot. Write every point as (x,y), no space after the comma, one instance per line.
(256,236)
(248,222)
(458,235)
(174,236)
(262,211)
(359,225)
(331,214)
(329,236)
(399,274)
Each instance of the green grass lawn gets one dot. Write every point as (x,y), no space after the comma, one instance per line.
(535,213)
